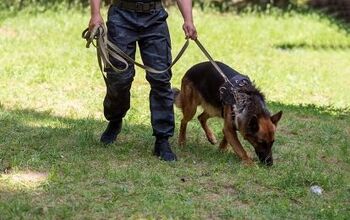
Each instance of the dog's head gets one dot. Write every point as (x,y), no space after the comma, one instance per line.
(259,130)
(251,116)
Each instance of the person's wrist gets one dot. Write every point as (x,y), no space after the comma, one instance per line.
(188,21)
(95,13)
(187,18)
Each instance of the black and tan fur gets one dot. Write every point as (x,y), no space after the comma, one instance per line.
(248,115)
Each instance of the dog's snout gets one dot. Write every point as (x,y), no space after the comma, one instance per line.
(265,158)
(269,161)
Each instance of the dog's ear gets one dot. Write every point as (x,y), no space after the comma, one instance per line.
(253,124)
(276,117)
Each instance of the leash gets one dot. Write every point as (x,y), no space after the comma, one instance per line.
(216,66)
(106,49)
(227,89)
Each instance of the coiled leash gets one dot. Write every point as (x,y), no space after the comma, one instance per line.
(106,49)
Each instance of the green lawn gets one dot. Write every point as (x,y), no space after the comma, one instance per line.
(52,165)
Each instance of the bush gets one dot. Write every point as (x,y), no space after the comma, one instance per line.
(220,5)
(20,4)
(227,5)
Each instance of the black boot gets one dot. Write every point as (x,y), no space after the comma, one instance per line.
(162,149)
(111,132)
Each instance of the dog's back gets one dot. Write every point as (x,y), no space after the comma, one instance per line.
(207,81)
(200,86)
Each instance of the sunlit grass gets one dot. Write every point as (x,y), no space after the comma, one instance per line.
(53,166)
(22,180)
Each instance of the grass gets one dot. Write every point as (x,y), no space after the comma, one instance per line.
(54,167)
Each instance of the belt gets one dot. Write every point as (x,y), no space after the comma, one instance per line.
(141,7)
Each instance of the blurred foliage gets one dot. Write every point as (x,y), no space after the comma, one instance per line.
(220,5)
(337,8)
(45,4)
(231,5)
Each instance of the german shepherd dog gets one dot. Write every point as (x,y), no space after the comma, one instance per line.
(238,102)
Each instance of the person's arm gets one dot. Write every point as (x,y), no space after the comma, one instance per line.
(96,18)
(185,7)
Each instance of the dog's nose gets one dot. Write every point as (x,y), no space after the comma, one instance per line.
(269,162)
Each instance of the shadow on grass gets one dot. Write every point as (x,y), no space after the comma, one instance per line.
(40,139)
(292,46)
(34,132)
(333,20)
(80,168)
(311,109)
(322,15)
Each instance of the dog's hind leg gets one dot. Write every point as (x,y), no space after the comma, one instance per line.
(223,143)
(188,114)
(189,102)
(203,118)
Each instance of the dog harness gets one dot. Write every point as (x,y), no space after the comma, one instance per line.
(231,94)
(230,91)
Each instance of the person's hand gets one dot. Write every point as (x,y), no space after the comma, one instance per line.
(190,30)
(95,20)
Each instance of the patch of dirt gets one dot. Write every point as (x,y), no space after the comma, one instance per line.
(286,131)
(26,178)
(337,162)
(212,196)
(216,191)
(306,118)
(29,176)
(348,132)
(7,32)
(331,160)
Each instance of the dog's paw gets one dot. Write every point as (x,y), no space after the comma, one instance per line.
(248,162)
(182,143)
(223,146)
(212,139)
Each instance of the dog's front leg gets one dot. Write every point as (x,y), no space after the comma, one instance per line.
(231,136)
(182,133)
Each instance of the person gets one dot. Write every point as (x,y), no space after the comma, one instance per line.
(144,22)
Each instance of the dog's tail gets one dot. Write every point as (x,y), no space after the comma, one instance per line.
(177,97)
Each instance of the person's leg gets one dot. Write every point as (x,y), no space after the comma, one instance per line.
(117,100)
(155,50)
